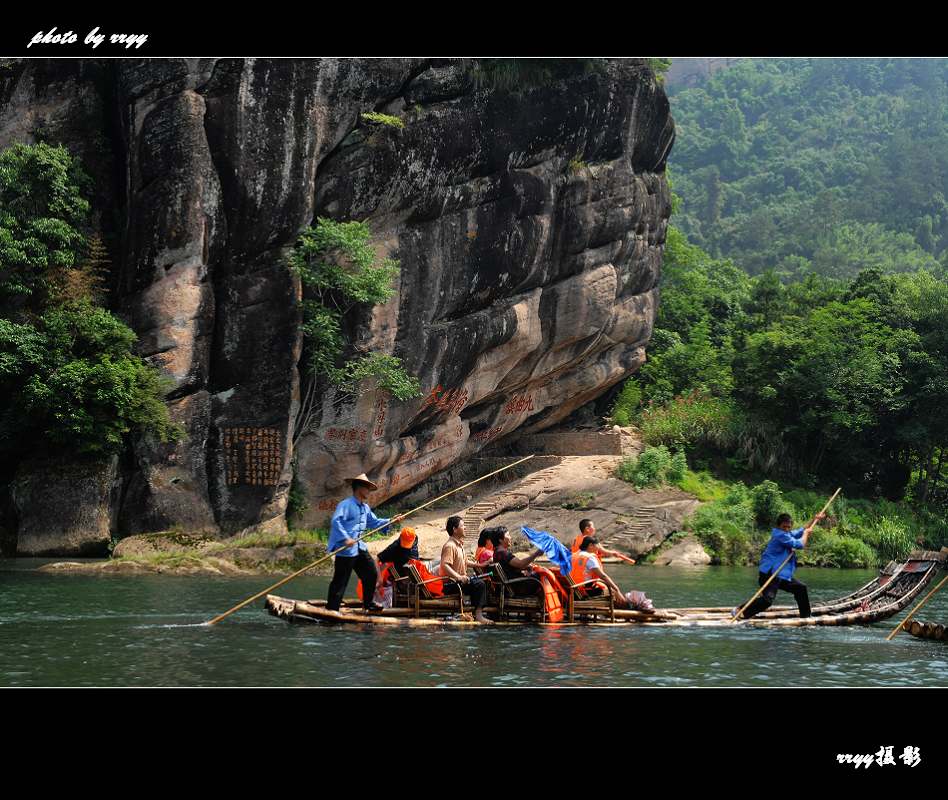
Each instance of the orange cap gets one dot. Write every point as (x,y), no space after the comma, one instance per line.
(407,537)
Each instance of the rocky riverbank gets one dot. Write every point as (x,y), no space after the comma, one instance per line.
(177,553)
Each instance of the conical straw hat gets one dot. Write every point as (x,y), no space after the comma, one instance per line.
(363,478)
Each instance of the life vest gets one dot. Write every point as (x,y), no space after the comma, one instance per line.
(580,571)
(574,548)
(435,587)
(553,594)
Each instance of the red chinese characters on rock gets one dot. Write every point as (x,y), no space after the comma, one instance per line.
(327,505)
(487,434)
(345,435)
(452,400)
(380,410)
(518,404)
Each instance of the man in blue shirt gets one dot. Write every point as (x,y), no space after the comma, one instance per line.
(783,541)
(351,519)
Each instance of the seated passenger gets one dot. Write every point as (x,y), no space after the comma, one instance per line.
(402,550)
(587,566)
(399,553)
(454,566)
(484,553)
(586,528)
(513,566)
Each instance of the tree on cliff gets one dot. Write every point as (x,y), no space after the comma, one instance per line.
(340,274)
(69,381)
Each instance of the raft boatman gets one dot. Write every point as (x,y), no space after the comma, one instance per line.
(783,541)
(351,519)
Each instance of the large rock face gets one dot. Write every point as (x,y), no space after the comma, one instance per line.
(66,509)
(529,227)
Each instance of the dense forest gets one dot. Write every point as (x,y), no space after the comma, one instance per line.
(803,328)
(816,165)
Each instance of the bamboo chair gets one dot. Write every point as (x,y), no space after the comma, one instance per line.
(425,600)
(401,587)
(580,604)
(510,602)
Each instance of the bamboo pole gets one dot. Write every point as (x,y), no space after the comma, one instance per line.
(776,572)
(346,547)
(912,612)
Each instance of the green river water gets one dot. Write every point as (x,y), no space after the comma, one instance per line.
(77,630)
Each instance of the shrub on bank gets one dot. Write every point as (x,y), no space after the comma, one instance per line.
(693,421)
(828,549)
(656,466)
(627,403)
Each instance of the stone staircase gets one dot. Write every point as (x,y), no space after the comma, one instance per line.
(524,490)
(641,522)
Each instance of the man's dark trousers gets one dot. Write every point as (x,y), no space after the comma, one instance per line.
(364,566)
(476,589)
(762,603)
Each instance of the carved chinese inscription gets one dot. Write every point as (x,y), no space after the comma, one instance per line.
(518,404)
(253,456)
(345,435)
(487,434)
(380,409)
(452,400)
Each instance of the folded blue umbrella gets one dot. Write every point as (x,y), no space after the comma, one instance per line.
(552,548)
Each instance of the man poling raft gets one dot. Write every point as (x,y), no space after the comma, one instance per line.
(777,564)
(350,521)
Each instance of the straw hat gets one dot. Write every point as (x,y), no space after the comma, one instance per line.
(363,478)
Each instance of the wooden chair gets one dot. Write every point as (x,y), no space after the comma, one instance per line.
(581,605)
(509,602)
(425,600)
(401,587)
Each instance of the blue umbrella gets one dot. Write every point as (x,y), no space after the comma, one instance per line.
(552,548)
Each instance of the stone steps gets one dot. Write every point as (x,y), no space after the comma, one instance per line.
(641,521)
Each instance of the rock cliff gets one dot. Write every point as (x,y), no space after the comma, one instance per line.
(529,227)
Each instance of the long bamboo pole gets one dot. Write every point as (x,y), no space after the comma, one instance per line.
(776,572)
(346,547)
(912,612)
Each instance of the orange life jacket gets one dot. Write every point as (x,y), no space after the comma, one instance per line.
(574,548)
(553,594)
(435,587)
(580,571)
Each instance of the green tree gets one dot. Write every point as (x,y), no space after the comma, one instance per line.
(70,381)
(43,216)
(341,273)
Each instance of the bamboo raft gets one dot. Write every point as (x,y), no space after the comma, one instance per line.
(926,630)
(896,586)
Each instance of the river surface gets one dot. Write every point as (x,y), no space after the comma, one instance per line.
(77,630)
